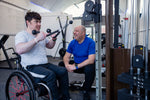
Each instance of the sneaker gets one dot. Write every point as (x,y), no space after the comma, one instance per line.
(86,95)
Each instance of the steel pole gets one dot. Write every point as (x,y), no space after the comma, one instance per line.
(98,58)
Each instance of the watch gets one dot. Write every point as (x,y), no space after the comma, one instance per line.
(76,65)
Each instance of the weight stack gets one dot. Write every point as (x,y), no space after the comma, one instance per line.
(124,94)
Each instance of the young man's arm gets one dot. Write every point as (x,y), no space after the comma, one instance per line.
(50,44)
(24,47)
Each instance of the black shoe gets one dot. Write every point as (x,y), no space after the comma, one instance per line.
(86,95)
(63,98)
(46,97)
(42,91)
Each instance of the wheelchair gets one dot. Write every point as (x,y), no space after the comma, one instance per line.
(21,85)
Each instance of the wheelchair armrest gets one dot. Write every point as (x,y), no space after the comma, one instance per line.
(18,57)
(10,49)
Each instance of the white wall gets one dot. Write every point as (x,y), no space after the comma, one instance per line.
(51,21)
(12,21)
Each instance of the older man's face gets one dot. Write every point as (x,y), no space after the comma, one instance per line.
(78,33)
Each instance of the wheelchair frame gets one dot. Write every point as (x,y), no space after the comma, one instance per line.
(21,86)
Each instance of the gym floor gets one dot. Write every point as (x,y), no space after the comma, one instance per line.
(75,93)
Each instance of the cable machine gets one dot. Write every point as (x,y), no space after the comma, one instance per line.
(63,30)
(62,51)
(138,75)
(93,13)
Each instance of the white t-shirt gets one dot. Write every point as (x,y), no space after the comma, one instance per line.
(37,55)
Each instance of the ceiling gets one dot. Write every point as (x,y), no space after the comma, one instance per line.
(56,5)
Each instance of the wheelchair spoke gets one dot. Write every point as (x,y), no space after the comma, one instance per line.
(18,89)
(21,98)
(12,85)
(13,96)
(22,92)
(19,86)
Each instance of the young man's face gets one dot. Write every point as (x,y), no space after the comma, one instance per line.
(34,24)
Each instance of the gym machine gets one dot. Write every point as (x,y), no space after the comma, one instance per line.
(62,51)
(93,13)
(138,75)
(2,42)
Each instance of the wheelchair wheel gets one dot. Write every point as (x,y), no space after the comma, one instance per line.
(44,90)
(19,87)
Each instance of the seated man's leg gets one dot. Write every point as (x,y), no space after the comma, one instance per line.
(62,75)
(50,79)
(89,72)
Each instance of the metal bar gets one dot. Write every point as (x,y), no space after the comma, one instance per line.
(131,39)
(147,40)
(137,22)
(144,30)
(126,33)
(146,48)
(98,62)
(98,56)
(116,23)
(64,34)
(131,42)
(60,25)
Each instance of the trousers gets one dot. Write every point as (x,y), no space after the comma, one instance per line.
(88,70)
(52,74)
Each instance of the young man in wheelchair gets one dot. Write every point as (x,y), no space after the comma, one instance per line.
(32,49)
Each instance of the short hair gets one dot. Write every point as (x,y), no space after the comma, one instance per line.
(32,15)
(83,28)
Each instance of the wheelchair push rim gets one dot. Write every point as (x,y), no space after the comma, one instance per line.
(18,88)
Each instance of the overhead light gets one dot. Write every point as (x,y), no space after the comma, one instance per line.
(39,6)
